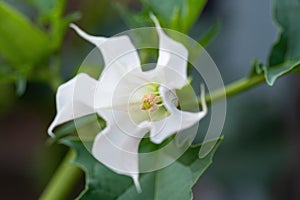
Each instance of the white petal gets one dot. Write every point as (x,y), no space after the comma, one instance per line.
(117,51)
(119,151)
(178,120)
(121,119)
(115,90)
(121,59)
(172,60)
(74,99)
(117,145)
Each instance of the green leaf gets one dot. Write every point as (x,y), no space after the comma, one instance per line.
(274,72)
(51,13)
(21,43)
(172,182)
(288,45)
(173,14)
(176,14)
(131,18)
(46,7)
(210,34)
(285,54)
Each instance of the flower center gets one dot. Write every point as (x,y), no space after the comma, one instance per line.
(151,102)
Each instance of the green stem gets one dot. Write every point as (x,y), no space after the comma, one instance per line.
(63,180)
(235,88)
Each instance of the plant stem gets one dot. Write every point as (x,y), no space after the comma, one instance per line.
(235,88)
(63,180)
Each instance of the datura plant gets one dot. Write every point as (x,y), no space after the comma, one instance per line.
(133,102)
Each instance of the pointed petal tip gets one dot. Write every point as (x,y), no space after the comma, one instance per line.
(156,140)
(78,31)
(96,40)
(50,132)
(203,102)
(152,16)
(155,20)
(73,26)
(136,182)
(144,124)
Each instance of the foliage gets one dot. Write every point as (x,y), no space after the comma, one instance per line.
(174,14)
(285,54)
(28,50)
(172,182)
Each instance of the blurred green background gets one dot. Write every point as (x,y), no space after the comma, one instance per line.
(259,158)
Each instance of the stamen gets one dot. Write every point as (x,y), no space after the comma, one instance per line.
(151,102)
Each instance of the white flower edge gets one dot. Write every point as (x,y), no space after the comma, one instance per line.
(111,141)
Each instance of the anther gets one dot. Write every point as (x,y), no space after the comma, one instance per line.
(151,102)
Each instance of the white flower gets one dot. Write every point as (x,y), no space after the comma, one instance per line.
(131,101)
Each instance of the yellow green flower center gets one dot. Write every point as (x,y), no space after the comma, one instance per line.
(151,102)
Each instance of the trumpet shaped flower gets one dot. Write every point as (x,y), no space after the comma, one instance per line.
(131,101)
